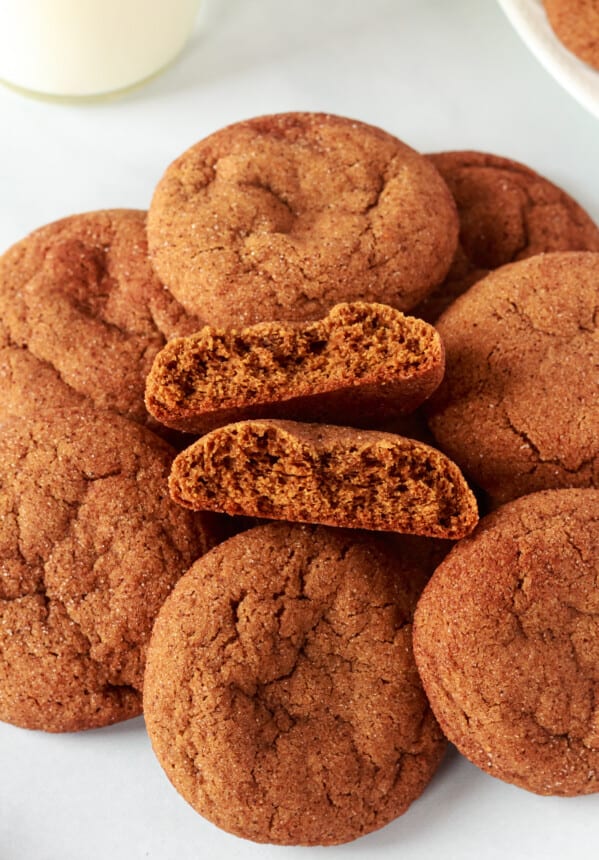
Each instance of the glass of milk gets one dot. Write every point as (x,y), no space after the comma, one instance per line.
(83,48)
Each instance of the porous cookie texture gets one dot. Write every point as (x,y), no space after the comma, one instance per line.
(284,216)
(281,695)
(362,364)
(507,212)
(576,24)
(82,316)
(505,638)
(518,407)
(91,546)
(319,473)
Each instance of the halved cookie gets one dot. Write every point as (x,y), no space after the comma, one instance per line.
(363,364)
(323,474)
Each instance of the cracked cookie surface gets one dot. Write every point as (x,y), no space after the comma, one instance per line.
(506,638)
(284,216)
(82,316)
(518,407)
(91,545)
(281,695)
(507,213)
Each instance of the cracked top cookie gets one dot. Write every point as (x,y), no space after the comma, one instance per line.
(505,638)
(284,216)
(281,695)
(82,316)
(518,408)
(91,546)
(576,25)
(507,212)
(363,364)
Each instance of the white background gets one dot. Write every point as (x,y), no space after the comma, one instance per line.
(440,74)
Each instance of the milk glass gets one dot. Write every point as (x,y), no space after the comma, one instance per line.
(83,48)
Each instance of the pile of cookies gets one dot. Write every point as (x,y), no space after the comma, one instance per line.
(287,667)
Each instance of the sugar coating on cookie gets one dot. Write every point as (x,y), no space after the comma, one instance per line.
(362,364)
(284,216)
(507,212)
(82,316)
(91,547)
(281,696)
(576,25)
(319,473)
(518,408)
(506,641)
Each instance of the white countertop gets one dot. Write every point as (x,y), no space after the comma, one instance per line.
(440,74)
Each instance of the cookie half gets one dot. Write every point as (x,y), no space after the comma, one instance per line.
(318,473)
(506,641)
(82,316)
(363,364)
(91,547)
(518,407)
(284,216)
(281,695)
(507,212)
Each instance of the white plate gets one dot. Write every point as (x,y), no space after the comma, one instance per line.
(530,22)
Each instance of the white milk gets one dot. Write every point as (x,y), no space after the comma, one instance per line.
(88,47)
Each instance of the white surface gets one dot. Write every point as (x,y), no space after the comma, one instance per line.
(578,78)
(82,47)
(441,75)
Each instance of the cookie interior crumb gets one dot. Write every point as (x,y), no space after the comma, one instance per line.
(330,475)
(358,344)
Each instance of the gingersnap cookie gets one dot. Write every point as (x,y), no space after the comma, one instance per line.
(284,216)
(83,316)
(576,25)
(281,695)
(362,364)
(505,638)
(91,546)
(318,473)
(507,212)
(518,407)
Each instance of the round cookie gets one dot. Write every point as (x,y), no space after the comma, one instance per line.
(507,212)
(576,25)
(284,216)
(91,546)
(506,641)
(281,696)
(518,407)
(82,316)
